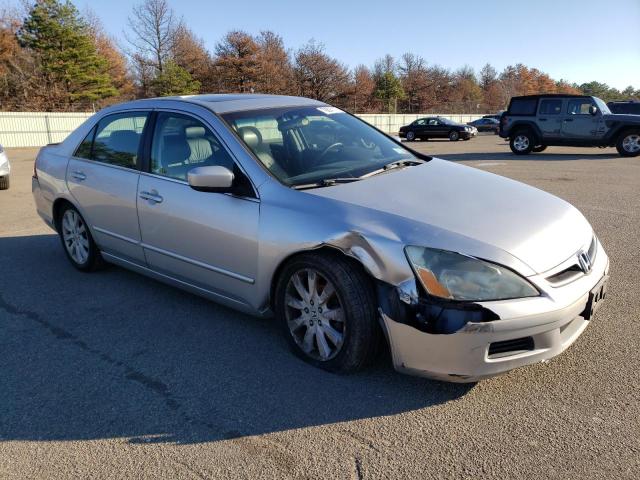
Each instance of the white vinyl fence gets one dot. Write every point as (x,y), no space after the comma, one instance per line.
(35,129)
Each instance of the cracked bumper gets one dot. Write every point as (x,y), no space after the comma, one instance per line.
(552,322)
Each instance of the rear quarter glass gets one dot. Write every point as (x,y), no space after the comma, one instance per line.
(523,106)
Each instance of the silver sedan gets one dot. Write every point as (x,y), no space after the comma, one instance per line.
(290,207)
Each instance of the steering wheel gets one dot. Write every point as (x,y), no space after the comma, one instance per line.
(328,149)
(367,145)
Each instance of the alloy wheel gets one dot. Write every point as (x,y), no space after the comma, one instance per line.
(631,143)
(521,143)
(74,235)
(314,314)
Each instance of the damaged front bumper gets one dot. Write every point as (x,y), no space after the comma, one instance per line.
(467,343)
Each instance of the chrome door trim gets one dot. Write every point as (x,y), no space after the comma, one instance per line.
(197,263)
(170,278)
(116,235)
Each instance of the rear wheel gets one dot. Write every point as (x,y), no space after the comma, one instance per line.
(328,310)
(454,136)
(628,144)
(76,239)
(411,136)
(539,148)
(522,142)
(4,183)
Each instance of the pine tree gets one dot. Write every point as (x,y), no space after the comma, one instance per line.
(175,80)
(71,67)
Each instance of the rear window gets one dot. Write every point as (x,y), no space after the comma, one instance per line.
(523,106)
(628,108)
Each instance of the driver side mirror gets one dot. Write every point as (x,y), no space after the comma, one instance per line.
(593,110)
(213,178)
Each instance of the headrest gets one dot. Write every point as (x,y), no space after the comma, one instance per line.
(124,141)
(251,136)
(194,132)
(176,149)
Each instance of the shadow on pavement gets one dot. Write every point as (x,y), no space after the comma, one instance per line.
(508,156)
(113,354)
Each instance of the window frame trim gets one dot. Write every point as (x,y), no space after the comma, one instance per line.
(94,129)
(542,100)
(146,158)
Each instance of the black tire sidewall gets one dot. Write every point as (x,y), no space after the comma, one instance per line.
(413,136)
(531,138)
(361,336)
(621,150)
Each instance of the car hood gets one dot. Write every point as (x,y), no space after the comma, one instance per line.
(537,228)
(622,117)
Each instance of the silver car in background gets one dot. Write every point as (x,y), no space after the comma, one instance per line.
(5,169)
(288,206)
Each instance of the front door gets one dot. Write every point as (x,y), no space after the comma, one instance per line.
(103,177)
(208,240)
(578,123)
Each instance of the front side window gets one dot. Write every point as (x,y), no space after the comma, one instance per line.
(551,107)
(579,106)
(422,121)
(301,145)
(181,143)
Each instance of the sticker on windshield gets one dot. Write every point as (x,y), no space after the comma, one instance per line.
(329,110)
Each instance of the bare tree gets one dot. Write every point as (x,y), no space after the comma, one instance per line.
(275,73)
(152,33)
(319,76)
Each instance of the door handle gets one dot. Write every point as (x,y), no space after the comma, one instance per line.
(78,175)
(568,119)
(152,197)
(542,119)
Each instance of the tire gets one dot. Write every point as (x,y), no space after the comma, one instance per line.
(628,144)
(77,241)
(352,300)
(539,148)
(522,142)
(454,136)
(4,183)
(411,136)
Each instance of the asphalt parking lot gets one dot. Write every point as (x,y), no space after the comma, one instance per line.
(112,375)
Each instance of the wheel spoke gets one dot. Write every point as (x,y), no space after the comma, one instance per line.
(327,292)
(297,283)
(307,342)
(332,334)
(296,323)
(323,347)
(311,283)
(294,302)
(334,314)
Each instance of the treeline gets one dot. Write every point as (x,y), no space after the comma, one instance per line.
(54,58)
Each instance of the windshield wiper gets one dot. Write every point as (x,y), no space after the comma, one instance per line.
(391,166)
(325,182)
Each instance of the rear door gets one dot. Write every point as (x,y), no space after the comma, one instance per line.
(103,178)
(578,124)
(550,117)
(209,240)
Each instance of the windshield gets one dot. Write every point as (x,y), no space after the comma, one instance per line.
(602,106)
(301,145)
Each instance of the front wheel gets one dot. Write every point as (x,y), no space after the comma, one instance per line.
(628,144)
(454,136)
(77,242)
(522,143)
(327,307)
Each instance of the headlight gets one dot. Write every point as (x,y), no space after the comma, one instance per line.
(467,129)
(459,277)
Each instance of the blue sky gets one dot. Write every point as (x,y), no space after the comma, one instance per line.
(578,40)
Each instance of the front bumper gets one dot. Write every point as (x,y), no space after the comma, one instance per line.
(550,323)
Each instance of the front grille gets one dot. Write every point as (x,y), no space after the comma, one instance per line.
(510,347)
(573,272)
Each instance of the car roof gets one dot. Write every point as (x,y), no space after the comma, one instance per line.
(227,102)
(546,95)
